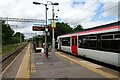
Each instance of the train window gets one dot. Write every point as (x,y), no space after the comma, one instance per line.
(111,42)
(72,41)
(76,41)
(107,37)
(112,45)
(92,43)
(117,36)
(87,42)
(105,44)
(115,44)
(66,41)
(92,37)
(85,37)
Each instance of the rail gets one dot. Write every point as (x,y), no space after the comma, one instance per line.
(5,61)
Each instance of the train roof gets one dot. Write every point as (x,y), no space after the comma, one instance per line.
(95,30)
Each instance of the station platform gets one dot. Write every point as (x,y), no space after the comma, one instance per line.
(57,67)
(30,65)
(19,67)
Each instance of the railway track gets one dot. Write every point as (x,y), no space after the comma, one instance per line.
(5,61)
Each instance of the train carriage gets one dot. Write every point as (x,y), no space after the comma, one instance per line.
(100,43)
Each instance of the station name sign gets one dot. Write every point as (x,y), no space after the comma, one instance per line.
(38,28)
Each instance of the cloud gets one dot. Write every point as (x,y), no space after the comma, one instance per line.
(74,15)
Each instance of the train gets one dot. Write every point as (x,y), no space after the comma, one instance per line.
(101,43)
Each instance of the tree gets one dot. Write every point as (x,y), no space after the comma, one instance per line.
(0,33)
(78,28)
(16,37)
(61,28)
(7,34)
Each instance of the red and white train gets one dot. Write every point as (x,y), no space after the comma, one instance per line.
(101,43)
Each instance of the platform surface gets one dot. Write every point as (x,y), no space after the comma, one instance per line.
(57,67)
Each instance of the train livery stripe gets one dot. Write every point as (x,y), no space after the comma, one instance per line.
(101,29)
(93,30)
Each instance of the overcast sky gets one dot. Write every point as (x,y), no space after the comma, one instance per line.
(88,13)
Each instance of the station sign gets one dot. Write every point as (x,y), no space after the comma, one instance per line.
(53,24)
(38,28)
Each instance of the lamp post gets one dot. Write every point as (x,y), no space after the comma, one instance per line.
(46,30)
(53,25)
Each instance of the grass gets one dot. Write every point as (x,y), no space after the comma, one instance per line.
(7,49)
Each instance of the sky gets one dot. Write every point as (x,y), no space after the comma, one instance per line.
(88,13)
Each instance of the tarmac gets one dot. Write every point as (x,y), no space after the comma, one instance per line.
(56,67)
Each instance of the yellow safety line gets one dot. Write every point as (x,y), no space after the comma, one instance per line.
(89,67)
(28,74)
(28,71)
(23,71)
(33,67)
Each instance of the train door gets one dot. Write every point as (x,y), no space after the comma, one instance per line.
(74,45)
